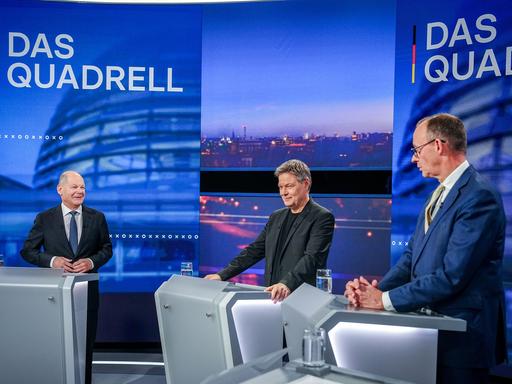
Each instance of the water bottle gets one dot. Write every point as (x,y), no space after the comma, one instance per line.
(324,280)
(313,347)
(186,268)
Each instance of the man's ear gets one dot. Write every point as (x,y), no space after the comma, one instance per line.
(440,146)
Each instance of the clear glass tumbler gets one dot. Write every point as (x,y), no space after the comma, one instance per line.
(313,347)
(324,280)
(187,268)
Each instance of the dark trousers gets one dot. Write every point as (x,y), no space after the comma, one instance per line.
(450,375)
(92,325)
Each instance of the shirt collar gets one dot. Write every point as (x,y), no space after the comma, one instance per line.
(452,178)
(66,210)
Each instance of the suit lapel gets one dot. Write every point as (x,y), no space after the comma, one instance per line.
(274,235)
(86,223)
(446,207)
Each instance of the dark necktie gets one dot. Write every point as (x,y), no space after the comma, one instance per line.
(73,232)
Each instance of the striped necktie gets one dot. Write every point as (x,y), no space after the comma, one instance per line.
(431,207)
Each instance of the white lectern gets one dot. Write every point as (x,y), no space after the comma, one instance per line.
(209,326)
(262,371)
(397,345)
(43,318)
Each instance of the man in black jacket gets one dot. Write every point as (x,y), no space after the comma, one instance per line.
(295,241)
(75,238)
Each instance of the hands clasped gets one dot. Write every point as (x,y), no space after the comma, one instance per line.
(361,293)
(79,266)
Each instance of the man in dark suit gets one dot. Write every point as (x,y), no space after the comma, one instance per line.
(453,261)
(75,238)
(295,241)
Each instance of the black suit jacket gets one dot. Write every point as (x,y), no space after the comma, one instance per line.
(49,234)
(305,250)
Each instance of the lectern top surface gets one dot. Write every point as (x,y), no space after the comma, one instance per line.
(35,276)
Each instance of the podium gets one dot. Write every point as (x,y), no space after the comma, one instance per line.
(43,324)
(396,345)
(261,371)
(209,326)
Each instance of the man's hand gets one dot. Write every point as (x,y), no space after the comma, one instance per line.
(368,295)
(213,276)
(278,292)
(82,266)
(352,287)
(350,291)
(62,262)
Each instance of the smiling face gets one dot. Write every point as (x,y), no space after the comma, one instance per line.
(72,190)
(295,193)
(427,158)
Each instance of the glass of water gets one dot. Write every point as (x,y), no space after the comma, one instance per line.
(324,280)
(186,268)
(313,347)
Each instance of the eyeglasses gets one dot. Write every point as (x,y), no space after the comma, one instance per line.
(417,150)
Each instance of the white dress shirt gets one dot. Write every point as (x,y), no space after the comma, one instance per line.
(66,215)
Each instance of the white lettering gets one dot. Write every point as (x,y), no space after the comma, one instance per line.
(68,48)
(41,46)
(430,28)
(132,78)
(85,77)
(116,79)
(488,55)
(471,66)
(461,24)
(441,74)
(67,77)
(170,88)
(22,81)
(508,66)
(152,86)
(25,41)
(37,77)
(487,28)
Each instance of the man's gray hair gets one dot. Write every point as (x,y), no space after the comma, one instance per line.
(297,168)
(63,178)
(447,127)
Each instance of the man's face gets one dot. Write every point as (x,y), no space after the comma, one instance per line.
(293,192)
(426,157)
(72,191)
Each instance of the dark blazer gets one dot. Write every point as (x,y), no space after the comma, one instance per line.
(305,250)
(49,234)
(455,269)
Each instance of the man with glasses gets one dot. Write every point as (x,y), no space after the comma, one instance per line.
(453,262)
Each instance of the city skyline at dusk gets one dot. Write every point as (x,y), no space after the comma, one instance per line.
(285,68)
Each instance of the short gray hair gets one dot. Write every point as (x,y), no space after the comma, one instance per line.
(447,127)
(63,178)
(297,168)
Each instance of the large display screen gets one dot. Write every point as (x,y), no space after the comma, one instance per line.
(360,242)
(443,65)
(310,80)
(121,108)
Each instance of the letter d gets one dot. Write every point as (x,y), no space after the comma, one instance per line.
(444,29)
(26,45)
